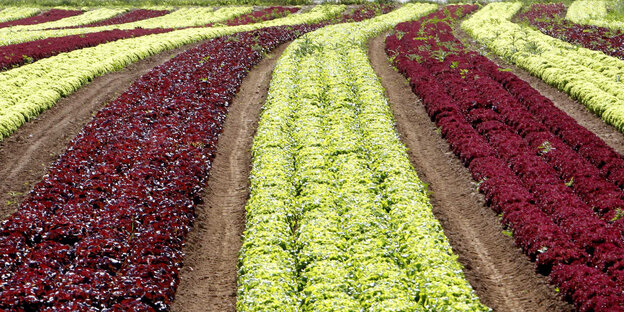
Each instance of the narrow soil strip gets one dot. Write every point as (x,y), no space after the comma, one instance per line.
(574,109)
(503,277)
(26,155)
(208,278)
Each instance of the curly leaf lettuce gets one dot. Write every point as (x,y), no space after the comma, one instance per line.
(337,219)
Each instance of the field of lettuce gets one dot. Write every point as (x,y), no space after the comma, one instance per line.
(185,156)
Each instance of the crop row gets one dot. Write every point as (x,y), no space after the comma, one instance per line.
(260,16)
(28,90)
(589,76)
(105,228)
(128,17)
(15,13)
(87,17)
(47,16)
(593,12)
(534,164)
(184,17)
(22,53)
(337,219)
(548,18)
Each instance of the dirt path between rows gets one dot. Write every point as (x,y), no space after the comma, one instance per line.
(574,109)
(208,278)
(502,276)
(26,155)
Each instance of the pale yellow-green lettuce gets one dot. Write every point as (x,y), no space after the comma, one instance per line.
(592,12)
(15,13)
(338,219)
(185,17)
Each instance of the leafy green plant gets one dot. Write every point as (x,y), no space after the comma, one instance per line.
(619,214)
(333,195)
(545,147)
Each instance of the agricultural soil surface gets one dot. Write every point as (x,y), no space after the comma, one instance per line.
(208,279)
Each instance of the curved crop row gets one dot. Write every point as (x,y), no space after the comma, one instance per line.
(592,12)
(548,18)
(23,53)
(15,55)
(534,164)
(15,13)
(337,219)
(47,16)
(184,17)
(105,228)
(593,78)
(28,90)
(258,16)
(129,17)
(87,17)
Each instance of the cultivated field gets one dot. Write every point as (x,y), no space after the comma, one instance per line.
(206,155)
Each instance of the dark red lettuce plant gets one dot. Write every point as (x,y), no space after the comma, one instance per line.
(47,16)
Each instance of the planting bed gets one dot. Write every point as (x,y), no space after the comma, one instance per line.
(194,158)
(528,157)
(129,17)
(101,252)
(17,54)
(47,16)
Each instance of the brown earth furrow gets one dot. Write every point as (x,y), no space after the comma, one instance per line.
(502,276)
(208,278)
(26,155)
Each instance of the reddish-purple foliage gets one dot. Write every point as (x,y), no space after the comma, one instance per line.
(535,165)
(26,52)
(129,17)
(550,19)
(105,228)
(261,15)
(48,16)
(366,11)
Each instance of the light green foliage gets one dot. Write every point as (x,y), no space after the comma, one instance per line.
(594,12)
(589,76)
(184,17)
(28,90)
(14,13)
(337,219)
(148,3)
(85,18)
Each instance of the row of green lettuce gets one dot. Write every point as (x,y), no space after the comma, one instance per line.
(591,77)
(148,3)
(593,12)
(88,17)
(27,91)
(14,13)
(338,219)
(184,17)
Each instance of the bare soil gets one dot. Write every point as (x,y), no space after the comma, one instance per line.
(208,278)
(574,109)
(26,155)
(502,276)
